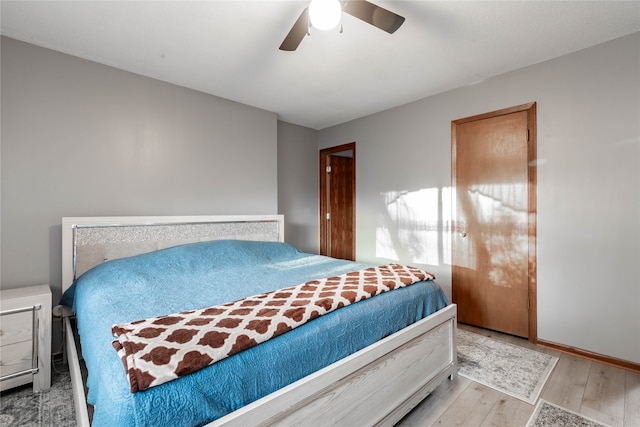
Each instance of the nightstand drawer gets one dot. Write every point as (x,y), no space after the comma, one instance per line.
(17,327)
(16,358)
(25,337)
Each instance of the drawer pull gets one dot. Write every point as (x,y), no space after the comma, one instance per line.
(19,374)
(21,310)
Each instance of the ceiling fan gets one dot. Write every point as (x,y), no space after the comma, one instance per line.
(361,9)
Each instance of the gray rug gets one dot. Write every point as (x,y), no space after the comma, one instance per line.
(510,369)
(547,414)
(22,407)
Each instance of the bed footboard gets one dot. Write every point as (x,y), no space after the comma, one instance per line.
(375,386)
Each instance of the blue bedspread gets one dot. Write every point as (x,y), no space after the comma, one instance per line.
(204,274)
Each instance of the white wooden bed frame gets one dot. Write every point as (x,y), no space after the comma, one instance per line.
(377,385)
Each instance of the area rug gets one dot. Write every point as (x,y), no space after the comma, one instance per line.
(510,369)
(547,414)
(54,407)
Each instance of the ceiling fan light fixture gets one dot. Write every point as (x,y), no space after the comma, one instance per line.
(325,14)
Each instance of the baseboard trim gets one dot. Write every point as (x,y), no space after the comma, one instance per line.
(618,363)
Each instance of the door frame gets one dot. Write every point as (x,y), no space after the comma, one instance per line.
(324,153)
(530,108)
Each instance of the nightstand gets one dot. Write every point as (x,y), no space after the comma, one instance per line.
(25,337)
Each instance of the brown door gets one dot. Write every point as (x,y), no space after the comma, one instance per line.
(337,202)
(494,226)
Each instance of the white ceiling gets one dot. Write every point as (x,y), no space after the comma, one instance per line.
(230,48)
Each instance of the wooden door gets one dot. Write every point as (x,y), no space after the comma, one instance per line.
(337,202)
(493,243)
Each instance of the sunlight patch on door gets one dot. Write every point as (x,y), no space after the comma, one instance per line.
(497,227)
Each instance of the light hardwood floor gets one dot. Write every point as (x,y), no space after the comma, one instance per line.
(595,390)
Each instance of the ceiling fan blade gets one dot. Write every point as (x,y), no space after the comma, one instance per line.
(374,15)
(297,33)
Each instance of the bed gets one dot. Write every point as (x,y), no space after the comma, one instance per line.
(366,364)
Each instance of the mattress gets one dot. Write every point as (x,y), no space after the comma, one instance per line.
(205,274)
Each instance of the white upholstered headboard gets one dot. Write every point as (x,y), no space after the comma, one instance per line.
(89,241)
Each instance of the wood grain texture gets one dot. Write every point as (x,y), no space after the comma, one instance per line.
(604,395)
(331,204)
(471,407)
(508,411)
(432,408)
(493,241)
(375,386)
(596,390)
(20,347)
(566,386)
(632,400)
(342,208)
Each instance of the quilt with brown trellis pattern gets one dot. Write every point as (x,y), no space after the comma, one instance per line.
(164,348)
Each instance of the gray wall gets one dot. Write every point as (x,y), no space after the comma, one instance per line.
(298,182)
(588,107)
(79,138)
(84,139)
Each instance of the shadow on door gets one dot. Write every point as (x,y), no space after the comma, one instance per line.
(494,240)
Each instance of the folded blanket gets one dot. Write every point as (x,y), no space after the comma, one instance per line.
(161,349)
